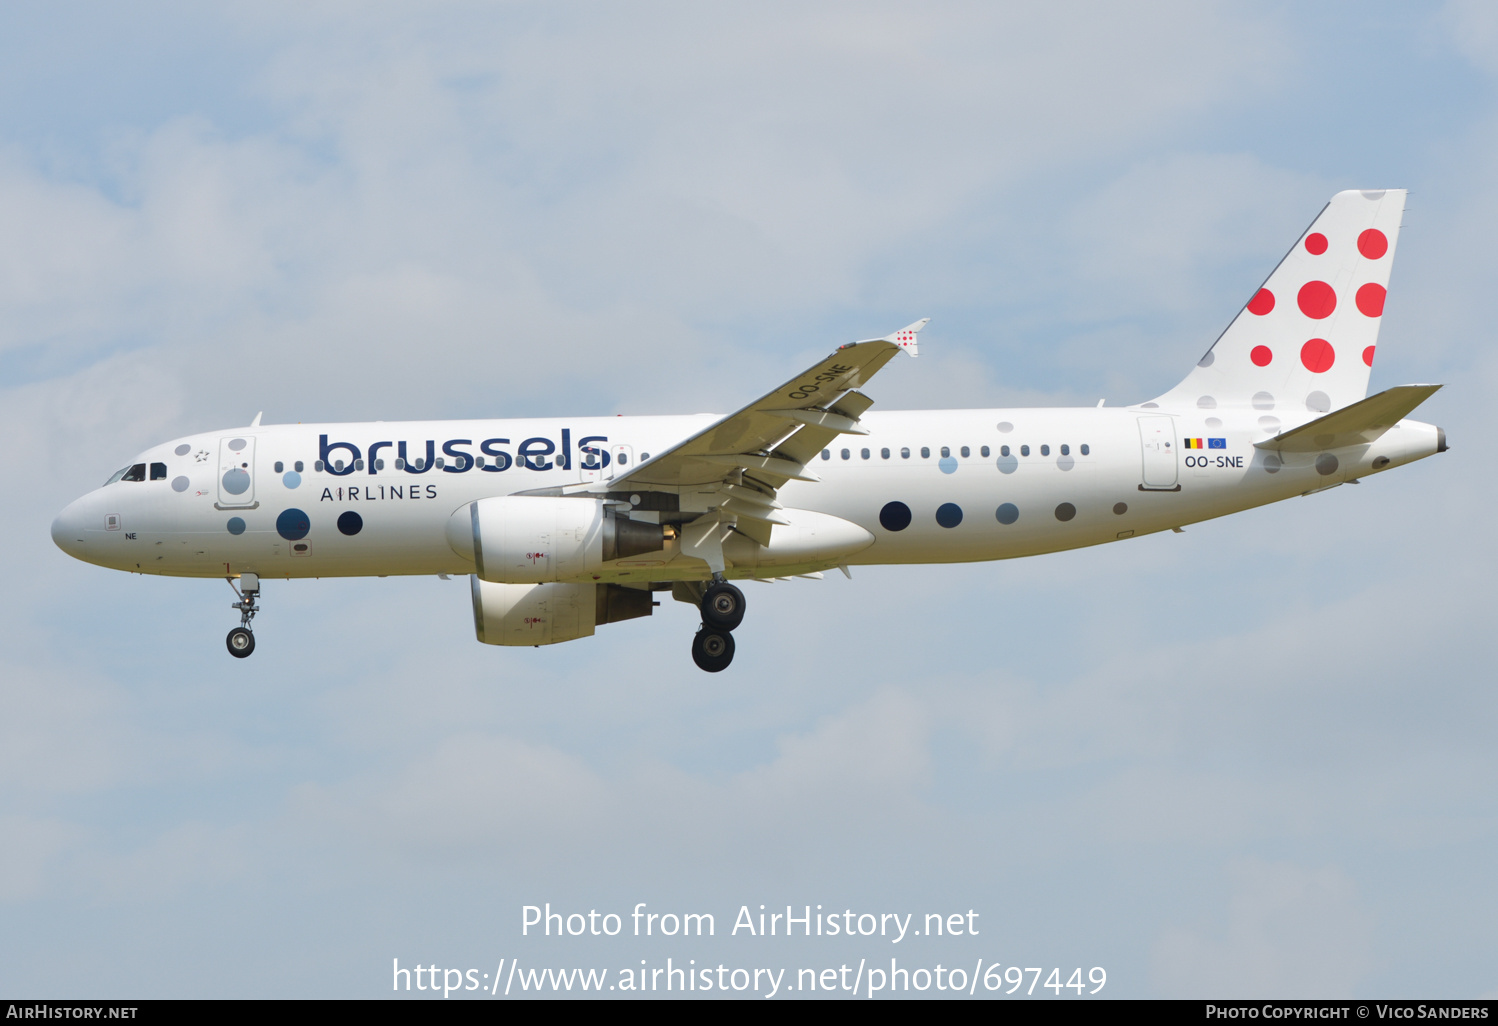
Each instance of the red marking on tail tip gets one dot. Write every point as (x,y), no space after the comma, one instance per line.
(1373,244)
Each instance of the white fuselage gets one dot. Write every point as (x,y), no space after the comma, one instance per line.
(1072,477)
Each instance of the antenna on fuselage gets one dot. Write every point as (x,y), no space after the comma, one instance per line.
(256,421)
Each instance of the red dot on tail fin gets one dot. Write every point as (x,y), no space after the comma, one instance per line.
(1261,356)
(1373,244)
(1315,244)
(1318,355)
(1262,303)
(1368,356)
(1371,299)
(1317,299)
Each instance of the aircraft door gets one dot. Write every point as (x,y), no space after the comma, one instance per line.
(1157,438)
(621,460)
(236,472)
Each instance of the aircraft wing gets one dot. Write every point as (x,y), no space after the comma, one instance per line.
(747,456)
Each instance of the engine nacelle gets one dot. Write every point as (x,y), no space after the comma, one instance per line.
(532,539)
(546,614)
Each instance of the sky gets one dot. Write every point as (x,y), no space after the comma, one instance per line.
(1251,760)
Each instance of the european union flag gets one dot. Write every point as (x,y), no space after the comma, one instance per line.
(1217,443)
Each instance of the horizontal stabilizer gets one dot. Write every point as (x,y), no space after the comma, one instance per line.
(1358,424)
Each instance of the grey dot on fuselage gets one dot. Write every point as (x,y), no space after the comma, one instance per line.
(1373,194)
(237,444)
(1207,360)
(1149,406)
(1005,426)
(1120,508)
(1213,423)
(1326,464)
(1263,401)
(183,449)
(180,484)
(1007,513)
(1008,464)
(1269,423)
(1206,402)
(1065,512)
(1272,463)
(1318,402)
(1065,462)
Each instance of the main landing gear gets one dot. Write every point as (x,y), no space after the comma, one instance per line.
(241,640)
(722,609)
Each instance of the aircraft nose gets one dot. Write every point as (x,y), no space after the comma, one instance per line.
(68,533)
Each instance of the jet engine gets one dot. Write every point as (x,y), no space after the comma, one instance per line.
(532,539)
(545,614)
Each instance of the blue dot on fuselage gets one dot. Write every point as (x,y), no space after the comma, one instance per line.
(236,525)
(949,514)
(948,464)
(293,525)
(350,523)
(895,516)
(1008,513)
(291,479)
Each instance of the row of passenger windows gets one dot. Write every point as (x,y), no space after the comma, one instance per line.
(137,472)
(946,452)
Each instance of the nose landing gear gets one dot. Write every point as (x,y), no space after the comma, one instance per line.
(241,640)
(722,609)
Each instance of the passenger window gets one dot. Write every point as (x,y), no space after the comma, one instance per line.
(439,463)
(380,463)
(644,456)
(846,454)
(280,466)
(158,472)
(1065,450)
(1003,450)
(884,454)
(478,463)
(983,451)
(1085,449)
(1045,450)
(400,464)
(966,452)
(317,466)
(925,452)
(826,454)
(904,453)
(338,466)
(297,466)
(623,459)
(135,473)
(864,453)
(1024,450)
(945,452)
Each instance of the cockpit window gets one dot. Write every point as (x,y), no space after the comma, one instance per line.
(135,473)
(117,475)
(158,472)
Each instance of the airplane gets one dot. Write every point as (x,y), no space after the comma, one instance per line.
(564,524)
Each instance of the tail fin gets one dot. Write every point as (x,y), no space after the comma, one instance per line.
(1305,340)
